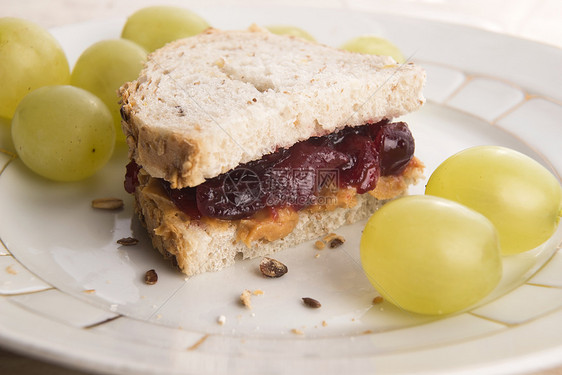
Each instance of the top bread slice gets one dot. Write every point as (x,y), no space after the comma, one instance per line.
(205,104)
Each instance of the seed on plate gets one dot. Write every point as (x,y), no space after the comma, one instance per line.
(311,302)
(151,277)
(336,242)
(272,268)
(128,241)
(107,203)
(333,240)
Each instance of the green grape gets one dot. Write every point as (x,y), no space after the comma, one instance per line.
(154,26)
(63,133)
(516,193)
(374,45)
(291,30)
(429,255)
(30,58)
(104,67)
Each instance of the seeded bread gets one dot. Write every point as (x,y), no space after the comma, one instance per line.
(198,246)
(205,104)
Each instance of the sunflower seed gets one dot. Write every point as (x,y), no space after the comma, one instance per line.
(272,268)
(107,203)
(150,277)
(311,302)
(128,241)
(336,242)
(333,240)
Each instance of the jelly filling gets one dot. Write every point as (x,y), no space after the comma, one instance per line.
(297,176)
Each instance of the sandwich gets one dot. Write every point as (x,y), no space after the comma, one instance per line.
(244,143)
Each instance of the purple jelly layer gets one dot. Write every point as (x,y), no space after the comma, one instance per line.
(352,157)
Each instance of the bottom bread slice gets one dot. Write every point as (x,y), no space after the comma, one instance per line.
(198,246)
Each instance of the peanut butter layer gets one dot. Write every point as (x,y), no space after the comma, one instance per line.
(267,225)
(389,187)
(271,224)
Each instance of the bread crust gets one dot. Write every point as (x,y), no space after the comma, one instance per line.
(204,105)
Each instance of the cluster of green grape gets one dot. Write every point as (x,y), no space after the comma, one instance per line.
(441,252)
(65,123)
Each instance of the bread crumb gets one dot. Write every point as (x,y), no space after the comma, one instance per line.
(297,331)
(220,62)
(221,320)
(257,292)
(317,256)
(199,342)
(319,245)
(11,270)
(377,300)
(246,298)
(89,291)
(324,323)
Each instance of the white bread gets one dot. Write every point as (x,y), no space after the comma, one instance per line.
(205,104)
(204,246)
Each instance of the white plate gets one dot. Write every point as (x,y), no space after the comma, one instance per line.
(69,293)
